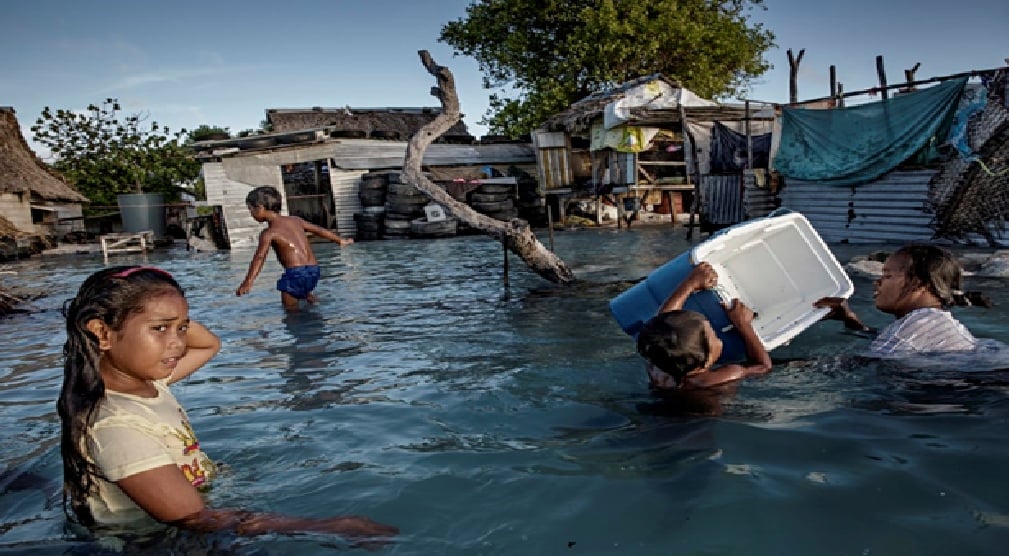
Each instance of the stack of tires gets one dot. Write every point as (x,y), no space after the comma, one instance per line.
(403,203)
(494,200)
(435,224)
(372,193)
(531,206)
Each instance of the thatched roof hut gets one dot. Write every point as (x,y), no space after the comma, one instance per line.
(21,171)
(403,121)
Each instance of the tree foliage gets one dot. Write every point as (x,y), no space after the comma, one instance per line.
(552,53)
(206,132)
(105,153)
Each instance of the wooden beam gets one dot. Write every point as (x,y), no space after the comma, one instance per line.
(881,73)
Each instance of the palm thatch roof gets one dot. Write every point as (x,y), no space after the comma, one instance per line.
(21,171)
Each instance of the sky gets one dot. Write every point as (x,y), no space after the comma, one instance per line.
(224,63)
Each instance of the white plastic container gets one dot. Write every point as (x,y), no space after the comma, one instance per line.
(435,212)
(777,265)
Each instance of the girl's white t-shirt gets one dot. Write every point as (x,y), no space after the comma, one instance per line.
(133,434)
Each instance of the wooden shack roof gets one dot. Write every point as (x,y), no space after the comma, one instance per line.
(404,121)
(21,170)
(580,115)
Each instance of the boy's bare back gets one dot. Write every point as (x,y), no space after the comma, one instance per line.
(287,236)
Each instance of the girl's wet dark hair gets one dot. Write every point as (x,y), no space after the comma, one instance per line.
(939,271)
(674,342)
(264,196)
(111,296)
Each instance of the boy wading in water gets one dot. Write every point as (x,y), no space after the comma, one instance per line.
(287,236)
(681,348)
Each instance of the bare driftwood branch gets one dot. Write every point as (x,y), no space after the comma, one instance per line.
(515,234)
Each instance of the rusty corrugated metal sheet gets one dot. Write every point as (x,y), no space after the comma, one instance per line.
(731,199)
(757,201)
(722,199)
(891,209)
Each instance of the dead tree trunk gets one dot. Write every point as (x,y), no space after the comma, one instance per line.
(515,234)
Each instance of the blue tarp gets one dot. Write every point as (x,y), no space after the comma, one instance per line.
(728,150)
(848,146)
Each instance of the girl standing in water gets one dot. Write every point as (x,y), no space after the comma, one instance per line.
(128,448)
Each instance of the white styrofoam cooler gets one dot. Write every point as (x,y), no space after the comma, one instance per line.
(777,265)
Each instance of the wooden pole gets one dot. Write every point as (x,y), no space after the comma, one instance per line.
(833,81)
(550,224)
(749,137)
(793,75)
(972,73)
(504,249)
(909,77)
(882,77)
(695,206)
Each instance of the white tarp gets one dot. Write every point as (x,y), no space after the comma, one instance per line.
(652,95)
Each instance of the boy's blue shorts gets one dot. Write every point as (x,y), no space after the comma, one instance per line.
(299,281)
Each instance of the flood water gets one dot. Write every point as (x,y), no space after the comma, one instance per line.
(418,394)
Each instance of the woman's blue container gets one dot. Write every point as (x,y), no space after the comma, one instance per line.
(777,265)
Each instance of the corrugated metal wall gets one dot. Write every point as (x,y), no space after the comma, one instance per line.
(758,201)
(243,230)
(345,185)
(722,199)
(731,199)
(890,209)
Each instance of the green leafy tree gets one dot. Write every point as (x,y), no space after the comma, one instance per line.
(551,53)
(205,132)
(105,153)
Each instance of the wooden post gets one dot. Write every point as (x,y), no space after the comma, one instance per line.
(833,81)
(909,77)
(882,77)
(697,172)
(749,137)
(504,249)
(550,224)
(619,199)
(840,95)
(793,75)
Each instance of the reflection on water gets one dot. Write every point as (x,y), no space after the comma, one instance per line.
(418,394)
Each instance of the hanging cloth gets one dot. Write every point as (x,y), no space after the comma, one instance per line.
(849,146)
(728,150)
